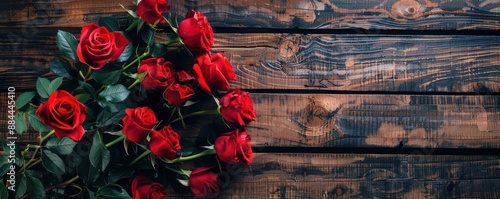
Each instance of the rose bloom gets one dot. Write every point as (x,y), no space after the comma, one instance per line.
(233,147)
(165,143)
(98,46)
(151,10)
(213,73)
(63,113)
(178,94)
(203,182)
(196,32)
(142,188)
(160,73)
(237,106)
(138,122)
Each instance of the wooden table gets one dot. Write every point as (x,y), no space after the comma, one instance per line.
(355,99)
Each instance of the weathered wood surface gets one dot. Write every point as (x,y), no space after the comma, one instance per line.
(410,63)
(302,14)
(374,120)
(364,176)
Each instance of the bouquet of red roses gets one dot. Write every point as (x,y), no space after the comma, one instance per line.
(129,115)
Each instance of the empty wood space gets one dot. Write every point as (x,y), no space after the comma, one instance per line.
(354,99)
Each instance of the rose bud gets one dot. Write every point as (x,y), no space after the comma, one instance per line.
(138,122)
(237,106)
(165,143)
(151,10)
(196,32)
(98,46)
(233,147)
(160,73)
(178,94)
(213,73)
(63,113)
(203,182)
(142,188)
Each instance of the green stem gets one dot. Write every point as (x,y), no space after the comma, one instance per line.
(192,157)
(47,136)
(205,112)
(182,119)
(32,159)
(89,71)
(145,54)
(115,141)
(174,170)
(144,154)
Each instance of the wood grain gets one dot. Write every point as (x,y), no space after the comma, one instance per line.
(364,176)
(361,15)
(376,120)
(410,63)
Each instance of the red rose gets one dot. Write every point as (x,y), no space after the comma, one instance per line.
(237,106)
(63,113)
(213,73)
(165,143)
(233,147)
(160,73)
(196,32)
(138,123)
(203,182)
(151,10)
(98,46)
(142,188)
(178,94)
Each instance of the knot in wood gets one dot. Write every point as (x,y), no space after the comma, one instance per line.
(408,9)
(288,48)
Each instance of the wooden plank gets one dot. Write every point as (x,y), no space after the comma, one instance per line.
(409,63)
(364,176)
(427,122)
(303,14)
(376,120)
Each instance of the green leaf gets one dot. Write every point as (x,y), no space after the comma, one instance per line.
(54,85)
(60,67)
(66,42)
(3,190)
(53,163)
(106,118)
(62,146)
(99,154)
(109,22)
(36,123)
(42,87)
(24,99)
(5,166)
(21,124)
(112,191)
(109,74)
(86,171)
(148,36)
(35,188)
(21,185)
(91,194)
(129,50)
(119,173)
(83,98)
(87,88)
(159,50)
(115,133)
(115,93)
(108,106)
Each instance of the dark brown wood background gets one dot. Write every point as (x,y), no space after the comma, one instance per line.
(355,99)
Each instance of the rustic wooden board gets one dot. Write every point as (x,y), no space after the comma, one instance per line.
(302,14)
(364,176)
(376,120)
(410,63)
